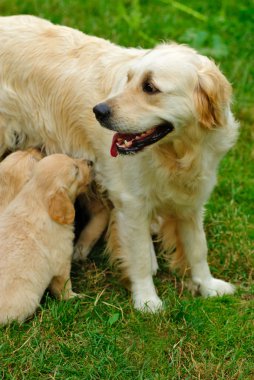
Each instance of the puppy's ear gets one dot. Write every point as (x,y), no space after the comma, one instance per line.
(212,96)
(60,207)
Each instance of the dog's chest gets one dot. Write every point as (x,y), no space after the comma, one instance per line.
(138,182)
(162,189)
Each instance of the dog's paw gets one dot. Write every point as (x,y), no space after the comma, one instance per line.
(80,252)
(148,305)
(214,287)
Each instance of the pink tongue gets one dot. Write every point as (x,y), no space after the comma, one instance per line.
(113,150)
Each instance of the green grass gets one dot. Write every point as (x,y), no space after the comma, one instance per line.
(101,336)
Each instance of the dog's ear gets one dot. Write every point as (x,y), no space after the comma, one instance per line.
(212,96)
(60,207)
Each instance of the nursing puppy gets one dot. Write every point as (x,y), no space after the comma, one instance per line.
(166,120)
(36,234)
(15,170)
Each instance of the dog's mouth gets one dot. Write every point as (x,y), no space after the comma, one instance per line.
(131,143)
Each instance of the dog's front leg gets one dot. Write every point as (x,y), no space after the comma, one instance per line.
(132,234)
(193,240)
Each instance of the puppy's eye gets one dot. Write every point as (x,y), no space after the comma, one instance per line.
(149,88)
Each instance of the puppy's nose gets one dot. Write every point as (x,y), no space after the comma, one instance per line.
(102,111)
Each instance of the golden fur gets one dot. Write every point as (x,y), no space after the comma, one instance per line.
(52,76)
(36,234)
(15,170)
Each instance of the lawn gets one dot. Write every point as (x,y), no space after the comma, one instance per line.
(101,336)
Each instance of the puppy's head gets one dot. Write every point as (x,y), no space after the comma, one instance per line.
(60,179)
(15,170)
(168,89)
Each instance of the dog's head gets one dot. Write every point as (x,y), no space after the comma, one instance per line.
(15,170)
(60,179)
(168,89)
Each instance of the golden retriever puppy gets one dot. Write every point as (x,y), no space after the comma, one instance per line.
(36,234)
(15,170)
(156,123)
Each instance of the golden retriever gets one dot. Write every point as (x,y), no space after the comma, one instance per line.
(15,170)
(156,123)
(36,234)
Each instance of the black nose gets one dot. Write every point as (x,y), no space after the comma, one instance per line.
(102,111)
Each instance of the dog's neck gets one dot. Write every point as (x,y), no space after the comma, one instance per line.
(181,153)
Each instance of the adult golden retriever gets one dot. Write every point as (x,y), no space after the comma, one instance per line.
(36,234)
(165,124)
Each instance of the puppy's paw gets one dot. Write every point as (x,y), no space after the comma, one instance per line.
(148,305)
(80,252)
(72,295)
(67,295)
(77,295)
(214,287)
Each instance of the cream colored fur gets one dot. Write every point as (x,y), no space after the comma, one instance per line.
(15,170)
(51,77)
(36,234)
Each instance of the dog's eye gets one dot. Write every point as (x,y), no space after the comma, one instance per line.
(149,88)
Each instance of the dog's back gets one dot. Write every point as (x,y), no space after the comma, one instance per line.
(46,72)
